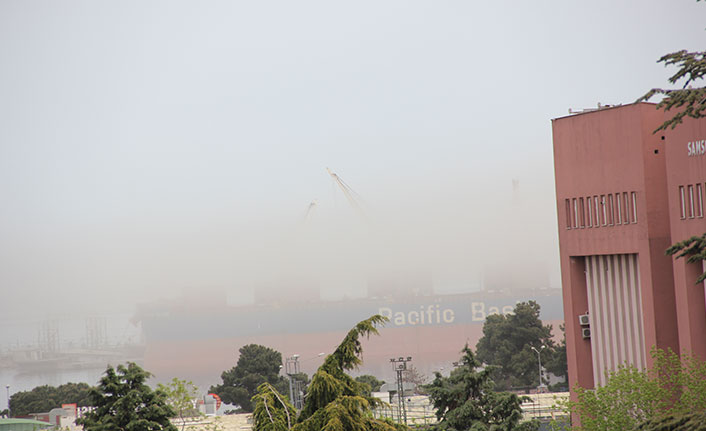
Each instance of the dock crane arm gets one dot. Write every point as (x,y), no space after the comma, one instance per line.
(348,192)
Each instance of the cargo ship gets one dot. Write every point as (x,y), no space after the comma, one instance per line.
(198,341)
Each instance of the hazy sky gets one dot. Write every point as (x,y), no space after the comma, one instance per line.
(148,147)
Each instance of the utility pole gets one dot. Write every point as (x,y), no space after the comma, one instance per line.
(8,400)
(400,366)
(291,369)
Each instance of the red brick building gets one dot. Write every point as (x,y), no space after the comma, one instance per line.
(624,195)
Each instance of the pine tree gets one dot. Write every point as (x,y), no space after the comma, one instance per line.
(688,101)
(465,400)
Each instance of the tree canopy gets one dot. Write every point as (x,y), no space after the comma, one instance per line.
(335,401)
(373,383)
(673,388)
(466,400)
(687,100)
(181,397)
(695,421)
(44,398)
(256,365)
(557,364)
(507,343)
(694,249)
(123,401)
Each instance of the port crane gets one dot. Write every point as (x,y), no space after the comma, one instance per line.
(350,194)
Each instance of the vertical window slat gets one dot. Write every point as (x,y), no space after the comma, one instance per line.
(633,195)
(626,216)
(619,209)
(582,212)
(611,209)
(589,208)
(597,220)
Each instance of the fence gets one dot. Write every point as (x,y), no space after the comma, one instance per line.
(420,411)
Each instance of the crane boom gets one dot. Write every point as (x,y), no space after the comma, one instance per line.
(348,192)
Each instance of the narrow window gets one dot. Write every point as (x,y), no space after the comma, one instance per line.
(597,220)
(582,212)
(618,207)
(610,209)
(633,195)
(575,207)
(682,203)
(568,214)
(589,211)
(691,201)
(604,212)
(699,201)
(626,213)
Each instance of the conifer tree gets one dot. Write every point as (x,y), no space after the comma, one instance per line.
(465,400)
(335,401)
(123,401)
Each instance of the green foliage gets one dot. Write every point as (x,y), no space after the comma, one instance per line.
(273,411)
(466,400)
(331,381)
(694,249)
(629,398)
(373,383)
(335,401)
(44,398)
(346,413)
(123,401)
(683,378)
(557,365)
(256,365)
(695,421)
(690,102)
(181,397)
(507,344)
(674,386)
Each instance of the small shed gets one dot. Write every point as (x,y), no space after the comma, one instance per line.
(13,424)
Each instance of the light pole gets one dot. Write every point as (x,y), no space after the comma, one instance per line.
(539,360)
(292,368)
(400,365)
(8,400)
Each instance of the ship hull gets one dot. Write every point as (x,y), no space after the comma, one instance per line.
(199,345)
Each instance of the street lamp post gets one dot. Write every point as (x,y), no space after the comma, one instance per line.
(8,400)
(539,360)
(400,366)
(292,369)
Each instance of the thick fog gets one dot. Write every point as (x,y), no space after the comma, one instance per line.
(155,149)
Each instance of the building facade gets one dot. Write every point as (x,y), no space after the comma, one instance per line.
(624,195)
